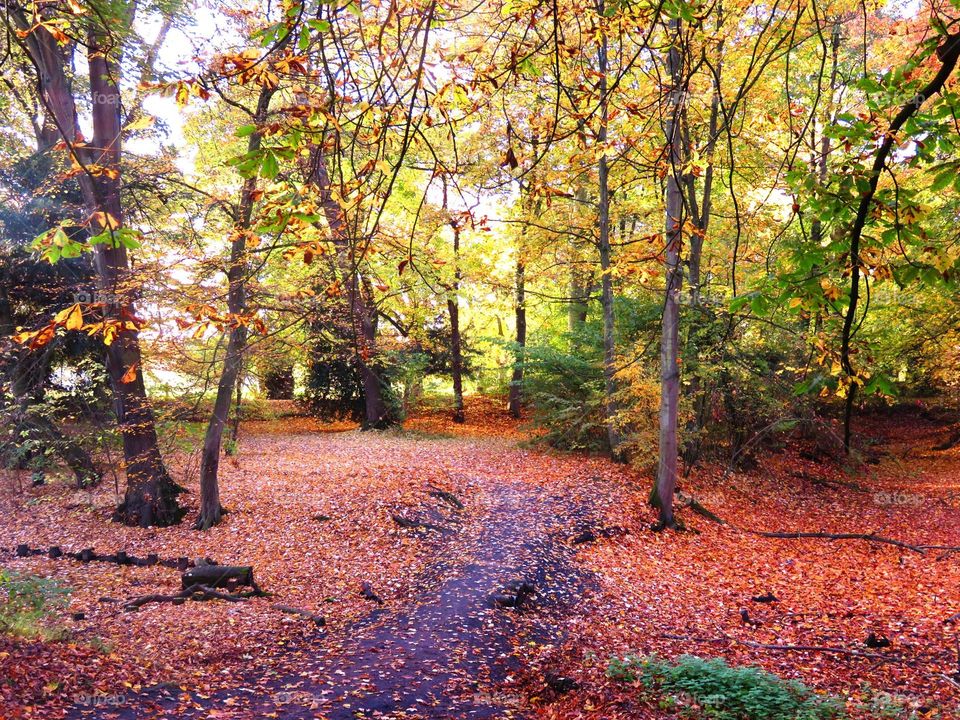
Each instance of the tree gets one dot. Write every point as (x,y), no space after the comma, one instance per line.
(150,497)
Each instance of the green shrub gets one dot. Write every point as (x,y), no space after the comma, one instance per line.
(713,689)
(566,393)
(28,604)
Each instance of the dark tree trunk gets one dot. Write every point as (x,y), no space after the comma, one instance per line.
(948,53)
(456,350)
(211,511)
(700,213)
(359,296)
(150,497)
(579,297)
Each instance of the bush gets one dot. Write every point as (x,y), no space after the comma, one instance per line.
(566,394)
(713,689)
(27,605)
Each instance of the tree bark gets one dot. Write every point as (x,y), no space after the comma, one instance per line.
(514,406)
(359,296)
(211,511)
(700,213)
(606,284)
(456,350)
(150,497)
(669,365)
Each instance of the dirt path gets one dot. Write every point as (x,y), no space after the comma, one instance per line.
(450,653)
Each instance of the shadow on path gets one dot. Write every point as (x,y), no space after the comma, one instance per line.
(451,653)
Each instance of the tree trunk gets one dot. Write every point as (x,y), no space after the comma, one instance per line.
(150,498)
(701,217)
(456,351)
(948,53)
(606,269)
(211,511)
(669,366)
(516,382)
(577,312)
(360,305)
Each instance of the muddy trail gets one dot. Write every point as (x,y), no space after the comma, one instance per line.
(455,651)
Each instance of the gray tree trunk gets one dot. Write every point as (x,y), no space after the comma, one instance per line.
(606,283)
(669,355)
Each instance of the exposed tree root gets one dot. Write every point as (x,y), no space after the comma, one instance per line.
(417,524)
(198,593)
(118,558)
(318,620)
(869,537)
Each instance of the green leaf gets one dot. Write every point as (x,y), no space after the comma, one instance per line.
(269,168)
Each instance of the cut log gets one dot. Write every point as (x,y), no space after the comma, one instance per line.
(219,576)
(121,557)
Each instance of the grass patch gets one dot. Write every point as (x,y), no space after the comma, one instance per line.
(29,605)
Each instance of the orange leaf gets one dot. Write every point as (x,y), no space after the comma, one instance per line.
(131,374)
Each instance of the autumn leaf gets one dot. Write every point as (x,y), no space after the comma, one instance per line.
(131,374)
(71,318)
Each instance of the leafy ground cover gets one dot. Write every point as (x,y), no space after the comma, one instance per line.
(314,513)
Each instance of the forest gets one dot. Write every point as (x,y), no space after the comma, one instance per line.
(505,359)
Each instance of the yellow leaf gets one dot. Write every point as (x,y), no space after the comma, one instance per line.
(141,123)
(795,302)
(71,318)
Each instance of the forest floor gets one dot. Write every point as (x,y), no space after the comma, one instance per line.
(311,509)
